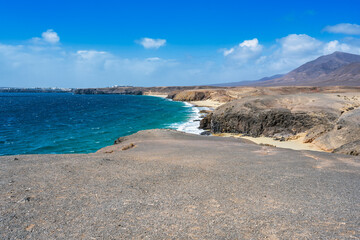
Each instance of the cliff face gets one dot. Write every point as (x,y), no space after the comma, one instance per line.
(330,120)
(120,90)
(268,116)
(233,93)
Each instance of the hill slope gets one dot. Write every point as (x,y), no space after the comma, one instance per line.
(336,69)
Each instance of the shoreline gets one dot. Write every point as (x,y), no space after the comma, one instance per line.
(192,125)
(294,144)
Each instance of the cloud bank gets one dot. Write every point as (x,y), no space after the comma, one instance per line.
(344,28)
(44,62)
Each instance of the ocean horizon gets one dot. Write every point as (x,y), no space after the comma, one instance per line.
(59,123)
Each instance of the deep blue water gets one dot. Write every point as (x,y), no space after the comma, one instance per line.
(38,123)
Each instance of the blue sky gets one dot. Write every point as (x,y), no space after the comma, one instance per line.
(152,43)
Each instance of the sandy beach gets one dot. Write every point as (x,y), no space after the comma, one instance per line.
(157,95)
(207,103)
(294,144)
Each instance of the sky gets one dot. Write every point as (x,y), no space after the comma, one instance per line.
(61,43)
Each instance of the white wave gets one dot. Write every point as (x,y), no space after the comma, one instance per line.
(193,123)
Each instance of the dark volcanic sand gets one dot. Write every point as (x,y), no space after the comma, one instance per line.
(172,185)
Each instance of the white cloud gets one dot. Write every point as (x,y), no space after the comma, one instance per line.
(248,49)
(151,43)
(228,51)
(335,45)
(48,37)
(287,54)
(153,59)
(296,49)
(344,28)
(295,44)
(90,54)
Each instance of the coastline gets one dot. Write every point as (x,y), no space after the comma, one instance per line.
(159,176)
(192,127)
(192,124)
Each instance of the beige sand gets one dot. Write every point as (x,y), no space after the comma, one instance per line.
(157,95)
(207,103)
(295,144)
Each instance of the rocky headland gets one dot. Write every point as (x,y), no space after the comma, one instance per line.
(137,90)
(329,121)
(327,116)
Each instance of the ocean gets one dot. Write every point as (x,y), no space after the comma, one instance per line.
(49,123)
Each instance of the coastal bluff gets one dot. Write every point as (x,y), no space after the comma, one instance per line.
(331,121)
(161,184)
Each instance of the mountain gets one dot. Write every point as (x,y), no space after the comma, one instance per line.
(246,83)
(339,68)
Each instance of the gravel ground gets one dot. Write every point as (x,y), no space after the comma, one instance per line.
(171,185)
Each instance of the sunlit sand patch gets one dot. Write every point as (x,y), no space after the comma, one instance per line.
(207,103)
(266,151)
(350,162)
(321,162)
(296,143)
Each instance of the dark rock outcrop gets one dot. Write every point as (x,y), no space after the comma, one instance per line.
(120,90)
(255,119)
(205,123)
(329,121)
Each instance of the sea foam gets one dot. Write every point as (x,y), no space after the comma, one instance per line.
(192,124)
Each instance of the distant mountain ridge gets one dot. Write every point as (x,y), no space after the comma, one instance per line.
(246,83)
(336,69)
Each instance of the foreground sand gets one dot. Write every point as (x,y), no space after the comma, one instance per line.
(170,185)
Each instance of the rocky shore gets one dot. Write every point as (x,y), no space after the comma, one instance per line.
(328,116)
(330,121)
(161,184)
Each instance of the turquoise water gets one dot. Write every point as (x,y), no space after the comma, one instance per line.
(39,123)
